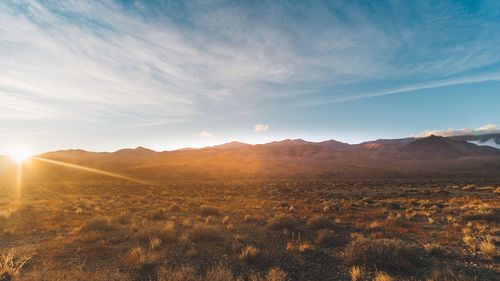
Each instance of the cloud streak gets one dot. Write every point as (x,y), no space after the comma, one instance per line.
(158,63)
(487,129)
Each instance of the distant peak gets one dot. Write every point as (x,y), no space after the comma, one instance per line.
(288,142)
(137,149)
(231,145)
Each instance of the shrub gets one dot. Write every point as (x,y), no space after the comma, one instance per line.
(305,247)
(140,259)
(327,237)
(434,250)
(154,243)
(157,214)
(445,275)
(388,254)
(487,248)
(296,245)
(203,233)
(356,273)
(184,273)
(175,208)
(276,274)
(318,222)
(282,221)
(219,273)
(96,224)
(487,214)
(206,210)
(273,274)
(164,231)
(10,265)
(382,276)
(249,254)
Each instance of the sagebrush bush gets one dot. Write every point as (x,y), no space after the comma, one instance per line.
(487,248)
(164,231)
(319,222)
(445,275)
(356,273)
(249,254)
(141,259)
(382,276)
(383,253)
(174,208)
(482,213)
(276,274)
(95,224)
(202,232)
(11,265)
(273,274)
(327,237)
(219,273)
(206,210)
(282,221)
(183,273)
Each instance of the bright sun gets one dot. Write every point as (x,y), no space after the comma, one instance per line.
(20,154)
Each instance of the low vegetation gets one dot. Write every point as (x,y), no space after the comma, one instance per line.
(250,230)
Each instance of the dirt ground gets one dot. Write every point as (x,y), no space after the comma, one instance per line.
(251,230)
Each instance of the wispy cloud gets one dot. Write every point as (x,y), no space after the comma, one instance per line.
(487,129)
(14,134)
(204,134)
(146,63)
(261,127)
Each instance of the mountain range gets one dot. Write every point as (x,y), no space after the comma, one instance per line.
(432,156)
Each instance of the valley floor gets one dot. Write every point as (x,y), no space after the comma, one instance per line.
(251,230)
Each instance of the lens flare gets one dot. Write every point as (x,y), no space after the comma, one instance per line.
(92,170)
(20,154)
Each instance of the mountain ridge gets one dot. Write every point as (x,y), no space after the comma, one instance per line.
(294,142)
(293,158)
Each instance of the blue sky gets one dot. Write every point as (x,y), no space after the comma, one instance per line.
(103,75)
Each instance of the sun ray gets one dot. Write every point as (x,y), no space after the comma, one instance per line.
(19,177)
(92,170)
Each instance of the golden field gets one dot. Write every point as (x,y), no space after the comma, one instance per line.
(314,229)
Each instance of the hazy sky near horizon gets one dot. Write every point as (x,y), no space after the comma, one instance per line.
(104,75)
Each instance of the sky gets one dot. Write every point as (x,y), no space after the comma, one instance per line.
(105,75)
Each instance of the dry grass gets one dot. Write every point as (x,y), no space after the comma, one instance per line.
(249,254)
(445,275)
(282,221)
(202,232)
(382,276)
(206,210)
(327,238)
(481,213)
(319,222)
(183,273)
(273,274)
(11,265)
(154,243)
(387,254)
(141,259)
(487,248)
(219,273)
(130,232)
(95,224)
(356,273)
(434,249)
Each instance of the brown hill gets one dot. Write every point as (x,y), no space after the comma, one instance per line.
(426,157)
(447,147)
